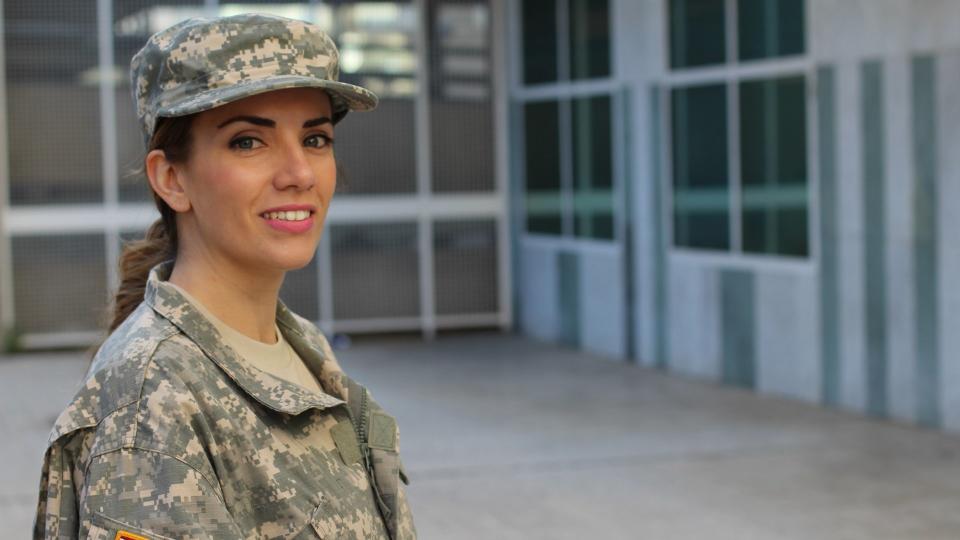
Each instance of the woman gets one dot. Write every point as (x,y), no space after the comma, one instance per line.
(212,411)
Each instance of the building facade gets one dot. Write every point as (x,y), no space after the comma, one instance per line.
(757,192)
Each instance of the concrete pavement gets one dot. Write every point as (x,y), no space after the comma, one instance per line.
(508,438)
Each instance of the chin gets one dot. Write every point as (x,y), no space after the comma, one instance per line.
(291,260)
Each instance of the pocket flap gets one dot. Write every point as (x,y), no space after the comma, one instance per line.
(383,432)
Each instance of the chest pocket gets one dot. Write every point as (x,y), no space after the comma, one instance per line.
(379,444)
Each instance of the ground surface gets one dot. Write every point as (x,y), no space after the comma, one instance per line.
(510,439)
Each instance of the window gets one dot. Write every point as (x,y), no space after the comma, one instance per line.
(542,119)
(589,39)
(592,167)
(697,33)
(747,194)
(568,134)
(773,161)
(700,180)
(769,28)
(539,41)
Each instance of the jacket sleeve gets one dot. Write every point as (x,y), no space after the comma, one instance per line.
(57,506)
(143,492)
(405,528)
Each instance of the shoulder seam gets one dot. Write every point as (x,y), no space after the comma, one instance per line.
(139,397)
(213,486)
(161,339)
(172,331)
(132,444)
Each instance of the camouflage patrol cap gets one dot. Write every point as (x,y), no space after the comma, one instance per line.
(202,63)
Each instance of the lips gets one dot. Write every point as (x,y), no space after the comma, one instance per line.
(290,218)
(288,215)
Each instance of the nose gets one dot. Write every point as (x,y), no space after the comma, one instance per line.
(294,168)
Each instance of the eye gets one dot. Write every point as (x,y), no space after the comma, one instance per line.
(245,143)
(318,140)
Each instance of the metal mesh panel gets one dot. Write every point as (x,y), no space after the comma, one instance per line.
(375,151)
(465,266)
(461,97)
(53,102)
(375,271)
(301,292)
(59,283)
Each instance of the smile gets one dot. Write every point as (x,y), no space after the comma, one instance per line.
(289,215)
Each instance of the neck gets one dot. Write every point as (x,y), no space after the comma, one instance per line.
(245,299)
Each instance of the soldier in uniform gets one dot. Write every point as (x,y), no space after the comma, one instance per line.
(211,410)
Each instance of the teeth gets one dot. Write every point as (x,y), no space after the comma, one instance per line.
(289,215)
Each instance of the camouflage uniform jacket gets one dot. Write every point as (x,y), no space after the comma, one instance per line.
(173,435)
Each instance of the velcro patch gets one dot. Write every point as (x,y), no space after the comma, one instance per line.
(346,440)
(127,535)
(383,432)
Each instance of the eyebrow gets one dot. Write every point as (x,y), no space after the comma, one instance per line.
(255,120)
(317,122)
(266,122)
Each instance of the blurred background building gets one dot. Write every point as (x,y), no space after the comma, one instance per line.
(759,192)
(416,241)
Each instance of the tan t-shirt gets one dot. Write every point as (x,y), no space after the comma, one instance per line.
(278,359)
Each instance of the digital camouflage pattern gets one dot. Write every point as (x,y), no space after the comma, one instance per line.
(202,63)
(173,435)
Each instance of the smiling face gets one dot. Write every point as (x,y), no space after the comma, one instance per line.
(259,180)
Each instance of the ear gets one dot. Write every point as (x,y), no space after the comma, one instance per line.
(166,179)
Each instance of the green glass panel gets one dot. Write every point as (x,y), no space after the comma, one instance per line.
(589,39)
(776,231)
(792,232)
(792,136)
(697,33)
(753,133)
(596,225)
(773,158)
(592,144)
(702,230)
(545,224)
(700,178)
(539,41)
(699,116)
(592,167)
(542,137)
(754,227)
(770,28)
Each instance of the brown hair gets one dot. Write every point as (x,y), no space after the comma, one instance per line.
(172,135)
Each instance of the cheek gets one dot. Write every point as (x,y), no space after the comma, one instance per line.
(327,179)
(222,191)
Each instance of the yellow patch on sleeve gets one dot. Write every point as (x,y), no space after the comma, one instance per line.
(124,535)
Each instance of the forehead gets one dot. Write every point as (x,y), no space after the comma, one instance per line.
(295,102)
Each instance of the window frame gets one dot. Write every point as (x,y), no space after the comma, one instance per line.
(731,74)
(564,91)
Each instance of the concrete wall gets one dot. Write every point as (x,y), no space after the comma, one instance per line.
(573,294)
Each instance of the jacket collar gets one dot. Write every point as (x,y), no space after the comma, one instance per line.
(273,392)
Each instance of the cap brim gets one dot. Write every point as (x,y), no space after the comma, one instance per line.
(344,97)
